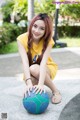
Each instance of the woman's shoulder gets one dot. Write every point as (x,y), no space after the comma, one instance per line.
(23,36)
(51,42)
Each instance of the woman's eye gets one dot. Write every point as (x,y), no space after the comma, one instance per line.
(42,28)
(35,26)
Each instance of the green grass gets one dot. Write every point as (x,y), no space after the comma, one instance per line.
(71,42)
(9,48)
(13,48)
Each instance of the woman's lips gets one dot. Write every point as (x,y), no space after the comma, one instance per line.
(36,34)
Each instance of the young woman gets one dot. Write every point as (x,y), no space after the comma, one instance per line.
(34,48)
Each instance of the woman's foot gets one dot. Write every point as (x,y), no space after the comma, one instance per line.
(56,97)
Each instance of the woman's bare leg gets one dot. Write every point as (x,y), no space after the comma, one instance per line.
(34,70)
(34,80)
(56,97)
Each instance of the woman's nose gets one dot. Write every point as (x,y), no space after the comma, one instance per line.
(37,30)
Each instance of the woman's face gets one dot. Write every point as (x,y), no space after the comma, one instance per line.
(38,30)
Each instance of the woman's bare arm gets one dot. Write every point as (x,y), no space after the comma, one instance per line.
(39,87)
(25,62)
(43,65)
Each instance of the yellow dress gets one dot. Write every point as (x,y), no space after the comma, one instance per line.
(36,51)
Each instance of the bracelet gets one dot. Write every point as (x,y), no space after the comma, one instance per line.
(27,79)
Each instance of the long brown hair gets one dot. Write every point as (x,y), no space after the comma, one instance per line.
(46,37)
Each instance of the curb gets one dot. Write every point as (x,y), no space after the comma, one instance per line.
(75,50)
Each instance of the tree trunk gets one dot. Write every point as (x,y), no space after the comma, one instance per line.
(30,10)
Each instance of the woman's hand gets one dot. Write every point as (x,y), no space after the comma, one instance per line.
(29,88)
(39,88)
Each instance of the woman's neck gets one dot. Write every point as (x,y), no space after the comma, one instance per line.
(36,41)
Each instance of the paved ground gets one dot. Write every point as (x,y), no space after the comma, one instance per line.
(67,80)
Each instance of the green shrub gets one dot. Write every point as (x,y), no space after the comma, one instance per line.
(9,32)
(70,31)
(6,10)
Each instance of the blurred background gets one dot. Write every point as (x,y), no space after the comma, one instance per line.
(15,16)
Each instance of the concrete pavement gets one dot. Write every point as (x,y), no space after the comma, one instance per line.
(67,80)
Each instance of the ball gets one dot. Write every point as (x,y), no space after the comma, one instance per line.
(36,103)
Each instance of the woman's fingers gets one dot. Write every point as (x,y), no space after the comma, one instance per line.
(42,91)
(35,89)
(29,89)
(38,89)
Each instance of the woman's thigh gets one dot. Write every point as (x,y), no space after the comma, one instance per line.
(35,70)
(34,80)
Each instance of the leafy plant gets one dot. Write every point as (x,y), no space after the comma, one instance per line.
(8,33)
(45,6)
(7,9)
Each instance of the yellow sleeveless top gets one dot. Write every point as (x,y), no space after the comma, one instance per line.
(36,51)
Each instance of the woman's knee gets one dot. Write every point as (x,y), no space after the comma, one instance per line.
(34,81)
(34,69)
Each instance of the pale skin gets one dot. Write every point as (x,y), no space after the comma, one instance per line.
(40,72)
